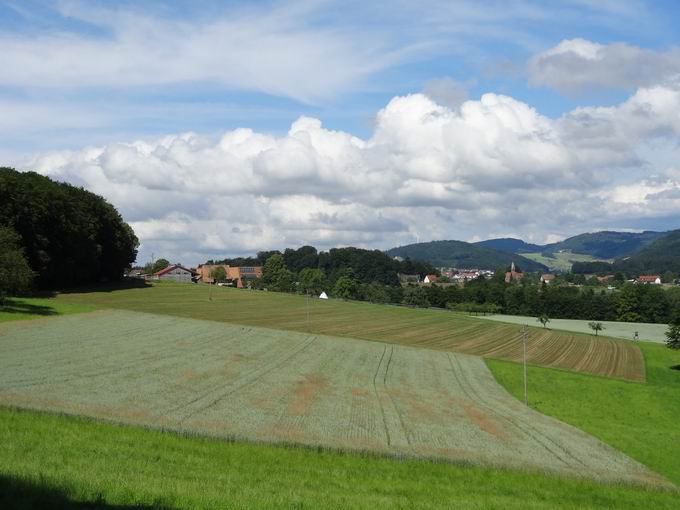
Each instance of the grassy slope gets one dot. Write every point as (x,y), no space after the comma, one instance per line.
(642,420)
(51,459)
(30,308)
(435,329)
(560,261)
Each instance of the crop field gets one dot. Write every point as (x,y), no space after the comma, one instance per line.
(439,330)
(276,386)
(648,332)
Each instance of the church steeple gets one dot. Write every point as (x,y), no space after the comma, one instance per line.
(512,267)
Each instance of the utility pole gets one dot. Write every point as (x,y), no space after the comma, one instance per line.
(524,344)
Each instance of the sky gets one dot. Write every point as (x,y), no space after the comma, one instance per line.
(224,128)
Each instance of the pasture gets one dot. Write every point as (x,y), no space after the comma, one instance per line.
(648,332)
(433,329)
(228,381)
(72,463)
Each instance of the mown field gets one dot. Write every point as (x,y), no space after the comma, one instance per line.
(433,329)
(279,386)
(60,462)
(647,332)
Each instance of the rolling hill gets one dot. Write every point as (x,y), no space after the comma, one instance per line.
(658,257)
(511,245)
(606,244)
(462,254)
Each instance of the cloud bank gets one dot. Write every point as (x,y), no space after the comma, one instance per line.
(492,166)
(576,65)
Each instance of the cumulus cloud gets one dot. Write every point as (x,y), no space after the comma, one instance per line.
(428,171)
(575,65)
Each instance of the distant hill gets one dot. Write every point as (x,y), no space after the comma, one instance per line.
(657,258)
(462,254)
(510,245)
(605,244)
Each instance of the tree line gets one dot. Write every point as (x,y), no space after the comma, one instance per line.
(66,236)
(376,281)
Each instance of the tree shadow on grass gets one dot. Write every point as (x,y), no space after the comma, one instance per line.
(23,495)
(13,306)
(675,367)
(127,283)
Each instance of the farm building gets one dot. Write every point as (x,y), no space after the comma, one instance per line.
(649,278)
(237,276)
(547,278)
(176,272)
(430,278)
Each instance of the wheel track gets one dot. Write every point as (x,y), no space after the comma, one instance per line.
(526,428)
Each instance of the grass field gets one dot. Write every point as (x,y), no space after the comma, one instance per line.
(69,463)
(561,261)
(433,329)
(641,420)
(648,332)
(278,386)
(30,308)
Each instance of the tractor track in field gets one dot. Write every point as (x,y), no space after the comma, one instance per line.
(526,429)
(236,385)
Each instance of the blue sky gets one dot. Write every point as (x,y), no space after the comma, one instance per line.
(101,74)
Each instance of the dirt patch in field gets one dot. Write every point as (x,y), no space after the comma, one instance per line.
(482,419)
(358,392)
(306,391)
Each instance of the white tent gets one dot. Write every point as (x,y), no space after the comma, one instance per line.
(323,295)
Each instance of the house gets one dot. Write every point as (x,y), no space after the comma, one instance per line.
(430,278)
(649,278)
(605,279)
(175,272)
(547,278)
(237,276)
(513,275)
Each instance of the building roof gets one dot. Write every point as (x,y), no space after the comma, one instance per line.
(170,268)
(431,277)
(648,277)
(547,277)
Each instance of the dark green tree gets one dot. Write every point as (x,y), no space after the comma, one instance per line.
(312,281)
(276,276)
(416,296)
(70,236)
(15,273)
(673,333)
(218,274)
(346,287)
(596,326)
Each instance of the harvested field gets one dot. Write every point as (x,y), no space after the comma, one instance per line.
(278,386)
(433,329)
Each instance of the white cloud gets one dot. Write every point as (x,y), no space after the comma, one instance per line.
(428,171)
(277,51)
(577,65)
